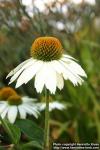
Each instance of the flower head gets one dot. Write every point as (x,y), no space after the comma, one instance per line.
(14,100)
(46,49)
(16,106)
(6,92)
(52,106)
(49,66)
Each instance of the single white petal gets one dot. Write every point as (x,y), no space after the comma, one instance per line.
(2,107)
(40,78)
(22,112)
(18,67)
(3,114)
(12,114)
(41,106)
(29,73)
(50,80)
(60,81)
(27,99)
(68,56)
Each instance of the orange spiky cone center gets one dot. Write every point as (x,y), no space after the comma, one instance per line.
(46,49)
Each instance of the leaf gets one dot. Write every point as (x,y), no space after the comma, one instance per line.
(32,144)
(31,130)
(15,131)
(1,148)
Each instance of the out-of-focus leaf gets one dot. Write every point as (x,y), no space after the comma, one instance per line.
(86,56)
(15,131)
(32,144)
(31,130)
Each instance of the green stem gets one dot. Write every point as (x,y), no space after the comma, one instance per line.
(7,129)
(46,131)
(4,124)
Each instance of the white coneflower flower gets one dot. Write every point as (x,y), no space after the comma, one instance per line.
(52,106)
(18,106)
(48,65)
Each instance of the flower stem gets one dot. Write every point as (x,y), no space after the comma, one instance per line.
(46,131)
(7,129)
(4,124)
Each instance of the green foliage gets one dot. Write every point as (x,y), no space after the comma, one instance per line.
(32,144)
(16,133)
(32,131)
(81,121)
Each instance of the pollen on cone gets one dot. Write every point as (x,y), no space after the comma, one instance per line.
(6,92)
(46,49)
(14,100)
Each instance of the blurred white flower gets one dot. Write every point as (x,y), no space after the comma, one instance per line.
(16,106)
(49,66)
(52,106)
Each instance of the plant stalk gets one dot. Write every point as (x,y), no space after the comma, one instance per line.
(46,130)
(7,129)
(5,126)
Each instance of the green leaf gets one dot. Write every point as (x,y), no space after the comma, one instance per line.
(31,130)
(1,148)
(32,144)
(15,131)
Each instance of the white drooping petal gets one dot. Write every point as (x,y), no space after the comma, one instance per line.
(57,67)
(76,68)
(2,107)
(12,113)
(30,111)
(29,73)
(46,76)
(40,78)
(51,79)
(27,99)
(52,106)
(60,81)
(22,112)
(41,106)
(69,74)
(34,107)
(15,76)
(68,56)
(3,114)
(18,67)
(56,105)
(75,73)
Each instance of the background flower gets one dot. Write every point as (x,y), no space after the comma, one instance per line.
(52,106)
(16,106)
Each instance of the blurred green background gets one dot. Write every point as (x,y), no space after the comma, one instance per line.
(78,28)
